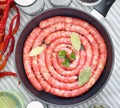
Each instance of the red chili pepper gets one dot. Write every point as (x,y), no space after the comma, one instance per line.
(17,17)
(9,39)
(3,1)
(10,35)
(1,13)
(8,53)
(3,74)
(4,6)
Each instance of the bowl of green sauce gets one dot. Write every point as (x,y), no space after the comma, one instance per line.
(99,105)
(11,99)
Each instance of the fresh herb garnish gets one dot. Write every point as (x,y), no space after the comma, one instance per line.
(101,106)
(84,76)
(62,54)
(75,40)
(72,56)
(95,107)
(66,62)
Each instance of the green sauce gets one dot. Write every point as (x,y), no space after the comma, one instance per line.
(10,100)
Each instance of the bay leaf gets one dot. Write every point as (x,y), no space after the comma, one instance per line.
(36,51)
(84,76)
(75,40)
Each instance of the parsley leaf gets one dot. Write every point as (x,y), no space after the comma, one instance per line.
(62,54)
(72,56)
(66,62)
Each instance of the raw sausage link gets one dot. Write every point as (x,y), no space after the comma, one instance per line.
(100,67)
(51,21)
(73,21)
(59,34)
(58,76)
(82,31)
(67,41)
(56,35)
(92,41)
(46,70)
(54,82)
(35,65)
(27,60)
(47,31)
(60,70)
(60,90)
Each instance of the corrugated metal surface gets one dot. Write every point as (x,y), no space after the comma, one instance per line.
(110,94)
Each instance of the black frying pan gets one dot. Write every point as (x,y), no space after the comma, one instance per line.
(51,99)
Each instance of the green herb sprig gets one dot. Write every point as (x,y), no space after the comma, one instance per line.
(72,56)
(66,62)
(63,54)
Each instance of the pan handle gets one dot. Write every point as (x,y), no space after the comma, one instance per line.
(104,6)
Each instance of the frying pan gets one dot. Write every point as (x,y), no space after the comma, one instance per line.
(49,98)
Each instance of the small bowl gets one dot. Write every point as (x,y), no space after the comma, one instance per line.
(25,3)
(99,105)
(60,2)
(8,96)
(89,3)
(36,104)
